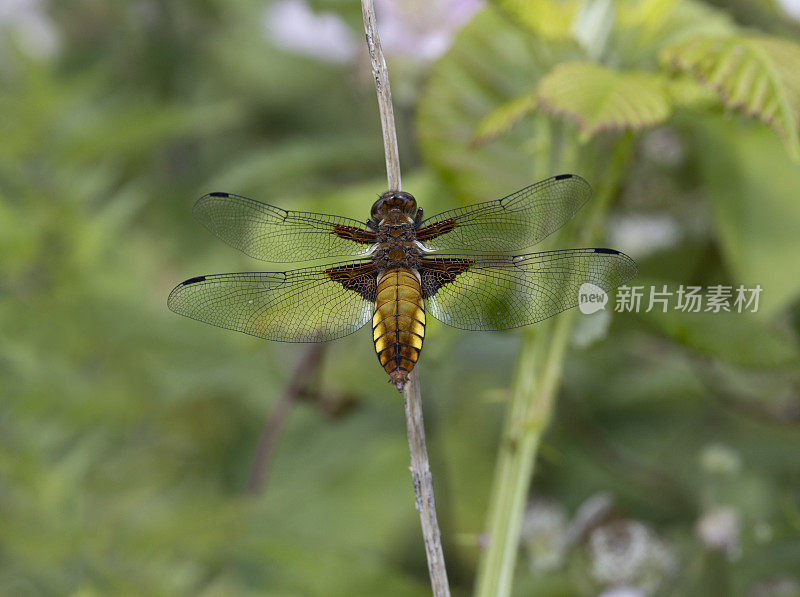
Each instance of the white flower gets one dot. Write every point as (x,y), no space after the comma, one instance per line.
(791,8)
(422,29)
(544,533)
(548,535)
(628,553)
(589,515)
(293,26)
(719,528)
(27,18)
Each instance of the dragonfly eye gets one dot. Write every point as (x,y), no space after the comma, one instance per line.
(394,200)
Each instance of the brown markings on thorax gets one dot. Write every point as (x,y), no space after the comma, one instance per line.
(394,226)
(396,247)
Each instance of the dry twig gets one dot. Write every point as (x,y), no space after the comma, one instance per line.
(420,467)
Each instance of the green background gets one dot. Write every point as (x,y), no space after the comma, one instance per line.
(127,433)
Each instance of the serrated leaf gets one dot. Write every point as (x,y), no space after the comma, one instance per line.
(503,118)
(599,98)
(755,74)
(645,27)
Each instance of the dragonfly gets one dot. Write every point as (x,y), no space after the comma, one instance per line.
(464,267)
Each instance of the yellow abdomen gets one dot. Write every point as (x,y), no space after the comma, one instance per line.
(398,324)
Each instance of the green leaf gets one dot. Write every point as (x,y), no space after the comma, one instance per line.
(503,118)
(548,18)
(754,187)
(755,74)
(645,27)
(491,63)
(599,98)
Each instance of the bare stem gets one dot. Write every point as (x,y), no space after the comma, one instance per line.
(420,466)
(423,487)
(381,74)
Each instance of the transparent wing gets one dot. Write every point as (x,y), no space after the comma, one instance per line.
(510,224)
(502,292)
(303,305)
(272,234)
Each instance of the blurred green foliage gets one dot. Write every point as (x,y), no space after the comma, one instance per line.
(127,433)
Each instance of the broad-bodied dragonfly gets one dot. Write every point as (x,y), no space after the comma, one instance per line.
(460,266)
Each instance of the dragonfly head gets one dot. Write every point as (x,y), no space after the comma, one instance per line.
(394,208)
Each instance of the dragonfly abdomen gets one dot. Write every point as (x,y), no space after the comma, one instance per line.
(398,324)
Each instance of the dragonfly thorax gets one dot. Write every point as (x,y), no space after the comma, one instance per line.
(394,208)
(393,255)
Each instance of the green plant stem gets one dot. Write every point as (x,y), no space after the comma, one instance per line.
(536,384)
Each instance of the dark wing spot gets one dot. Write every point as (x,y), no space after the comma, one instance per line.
(218,194)
(193,280)
(361,279)
(436,272)
(434,230)
(609,251)
(563,176)
(358,235)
